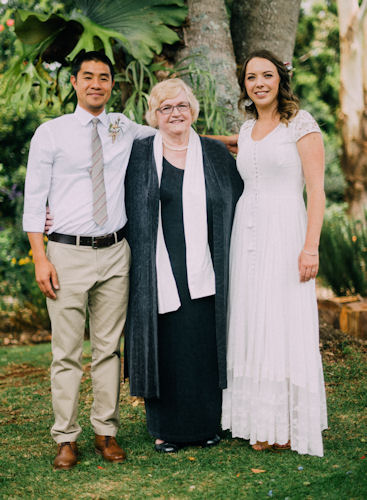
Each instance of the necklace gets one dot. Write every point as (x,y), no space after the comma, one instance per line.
(184,148)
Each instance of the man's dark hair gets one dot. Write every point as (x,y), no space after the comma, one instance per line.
(93,55)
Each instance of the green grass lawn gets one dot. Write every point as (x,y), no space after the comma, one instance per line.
(223,472)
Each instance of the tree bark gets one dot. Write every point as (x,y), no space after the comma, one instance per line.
(353,102)
(264,24)
(207,37)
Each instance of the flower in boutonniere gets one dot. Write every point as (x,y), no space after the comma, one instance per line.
(114,129)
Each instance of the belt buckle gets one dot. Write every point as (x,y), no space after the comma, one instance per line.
(95,242)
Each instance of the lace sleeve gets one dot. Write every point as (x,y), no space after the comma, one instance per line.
(302,124)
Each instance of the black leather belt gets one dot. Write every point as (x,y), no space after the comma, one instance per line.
(90,241)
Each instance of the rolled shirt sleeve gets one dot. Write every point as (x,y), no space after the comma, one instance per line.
(142,131)
(38,180)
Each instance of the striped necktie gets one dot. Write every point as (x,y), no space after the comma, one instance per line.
(99,191)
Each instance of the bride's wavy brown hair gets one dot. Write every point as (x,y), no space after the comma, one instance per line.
(288,104)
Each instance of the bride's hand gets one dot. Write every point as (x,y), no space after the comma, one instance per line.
(308,266)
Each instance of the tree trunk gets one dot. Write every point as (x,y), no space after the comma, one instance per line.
(264,24)
(208,38)
(353,101)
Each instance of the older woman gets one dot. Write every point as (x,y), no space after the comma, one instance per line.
(181,191)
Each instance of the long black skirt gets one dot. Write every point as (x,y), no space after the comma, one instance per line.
(189,406)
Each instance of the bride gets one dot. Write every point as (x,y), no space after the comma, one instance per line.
(275,393)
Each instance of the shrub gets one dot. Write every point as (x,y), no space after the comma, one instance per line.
(18,287)
(343,252)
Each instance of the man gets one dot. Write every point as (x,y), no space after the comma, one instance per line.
(77,163)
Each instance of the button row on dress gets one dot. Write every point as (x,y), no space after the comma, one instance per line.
(254,199)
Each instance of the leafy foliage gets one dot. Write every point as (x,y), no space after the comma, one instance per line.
(139,79)
(7,12)
(15,134)
(16,268)
(343,253)
(316,77)
(141,25)
(138,28)
(211,119)
(17,279)
(316,82)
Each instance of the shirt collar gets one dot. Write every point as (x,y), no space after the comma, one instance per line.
(84,117)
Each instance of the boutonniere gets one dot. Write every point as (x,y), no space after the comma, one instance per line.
(114,129)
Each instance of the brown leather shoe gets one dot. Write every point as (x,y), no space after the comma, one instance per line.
(109,449)
(67,455)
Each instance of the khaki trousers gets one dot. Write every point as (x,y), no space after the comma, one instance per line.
(97,279)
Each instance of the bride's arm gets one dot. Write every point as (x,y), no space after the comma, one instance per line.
(311,151)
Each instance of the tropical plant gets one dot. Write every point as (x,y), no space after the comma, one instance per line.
(138,79)
(135,29)
(212,117)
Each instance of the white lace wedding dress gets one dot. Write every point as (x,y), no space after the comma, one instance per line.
(275,380)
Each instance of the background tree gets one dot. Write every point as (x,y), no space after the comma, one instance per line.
(207,37)
(267,24)
(353,101)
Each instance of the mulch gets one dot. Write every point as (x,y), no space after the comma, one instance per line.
(25,337)
(333,342)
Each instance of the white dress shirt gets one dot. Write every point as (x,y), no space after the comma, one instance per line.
(58,170)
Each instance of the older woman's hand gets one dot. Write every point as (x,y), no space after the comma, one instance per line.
(229,140)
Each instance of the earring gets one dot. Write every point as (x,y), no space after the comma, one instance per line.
(248,102)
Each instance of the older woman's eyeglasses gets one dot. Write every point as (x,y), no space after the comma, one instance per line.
(168,109)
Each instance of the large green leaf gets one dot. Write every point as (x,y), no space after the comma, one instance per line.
(26,82)
(139,25)
(35,28)
(142,22)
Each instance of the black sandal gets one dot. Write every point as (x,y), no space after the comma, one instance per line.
(166,447)
(211,442)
